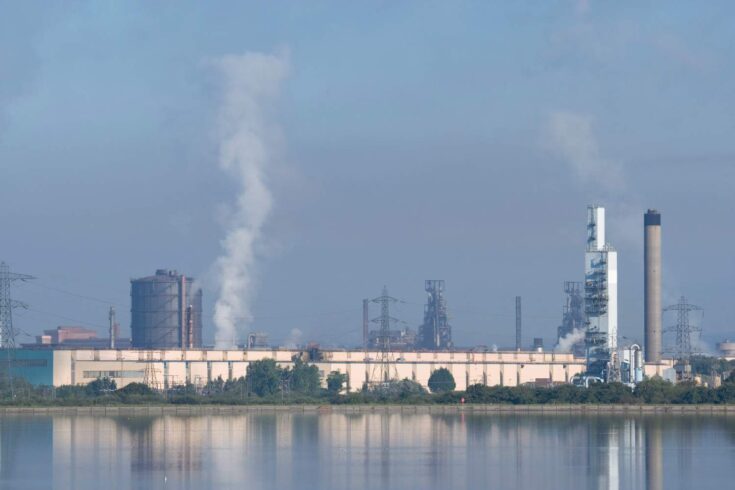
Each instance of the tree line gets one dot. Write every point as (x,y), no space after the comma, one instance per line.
(266,382)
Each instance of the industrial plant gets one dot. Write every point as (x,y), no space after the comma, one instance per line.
(166,346)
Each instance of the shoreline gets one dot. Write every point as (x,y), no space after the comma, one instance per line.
(704,409)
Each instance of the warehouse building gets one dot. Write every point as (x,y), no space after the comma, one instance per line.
(162,369)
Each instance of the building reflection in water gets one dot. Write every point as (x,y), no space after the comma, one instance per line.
(654,455)
(359,451)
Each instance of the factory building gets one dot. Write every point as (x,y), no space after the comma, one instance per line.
(600,297)
(163,369)
(166,311)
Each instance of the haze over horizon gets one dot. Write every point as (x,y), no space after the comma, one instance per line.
(408,142)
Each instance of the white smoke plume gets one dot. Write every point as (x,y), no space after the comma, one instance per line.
(567,342)
(250,83)
(294,338)
(571,137)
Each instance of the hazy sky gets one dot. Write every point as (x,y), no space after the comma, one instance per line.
(428,140)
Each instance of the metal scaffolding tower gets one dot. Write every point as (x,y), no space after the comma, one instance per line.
(7,333)
(600,299)
(683,328)
(150,378)
(435,333)
(518,323)
(573,315)
(383,339)
(365,324)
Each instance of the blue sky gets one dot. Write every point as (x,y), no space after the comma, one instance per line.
(417,142)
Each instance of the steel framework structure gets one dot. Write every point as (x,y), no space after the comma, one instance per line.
(683,328)
(385,321)
(435,333)
(7,333)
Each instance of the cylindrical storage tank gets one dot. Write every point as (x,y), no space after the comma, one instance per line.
(727,348)
(159,317)
(652,286)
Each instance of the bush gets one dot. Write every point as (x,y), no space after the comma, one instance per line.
(500,394)
(726,393)
(689,393)
(400,390)
(654,390)
(335,382)
(185,399)
(562,394)
(100,386)
(136,389)
(441,381)
(609,393)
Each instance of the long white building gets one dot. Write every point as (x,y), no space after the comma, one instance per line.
(171,367)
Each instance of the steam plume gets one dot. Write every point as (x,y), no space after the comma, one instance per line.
(571,136)
(567,342)
(250,82)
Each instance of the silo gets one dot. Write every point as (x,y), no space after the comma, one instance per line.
(166,311)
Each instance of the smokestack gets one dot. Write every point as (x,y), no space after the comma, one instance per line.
(652,285)
(190,327)
(182,312)
(518,323)
(113,329)
(365,322)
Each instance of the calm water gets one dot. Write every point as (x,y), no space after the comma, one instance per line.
(367,451)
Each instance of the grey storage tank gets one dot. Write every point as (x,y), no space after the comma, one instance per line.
(166,311)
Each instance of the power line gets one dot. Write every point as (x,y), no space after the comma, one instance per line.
(76,295)
(77,321)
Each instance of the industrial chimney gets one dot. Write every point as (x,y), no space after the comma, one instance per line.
(652,285)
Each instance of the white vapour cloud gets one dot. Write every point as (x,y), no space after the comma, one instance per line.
(567,342)
(250,82)
(294,338)
(571,136)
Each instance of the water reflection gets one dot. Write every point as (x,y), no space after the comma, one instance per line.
(366,451)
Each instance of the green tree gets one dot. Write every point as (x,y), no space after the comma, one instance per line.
(441,381)
(215,387)
(100,386)
(561,394)
(138,393)
(141,389)
(303,378)
(609,393)
(335,381)
(654,390)
(726,393)
(264,377)
(405,389)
